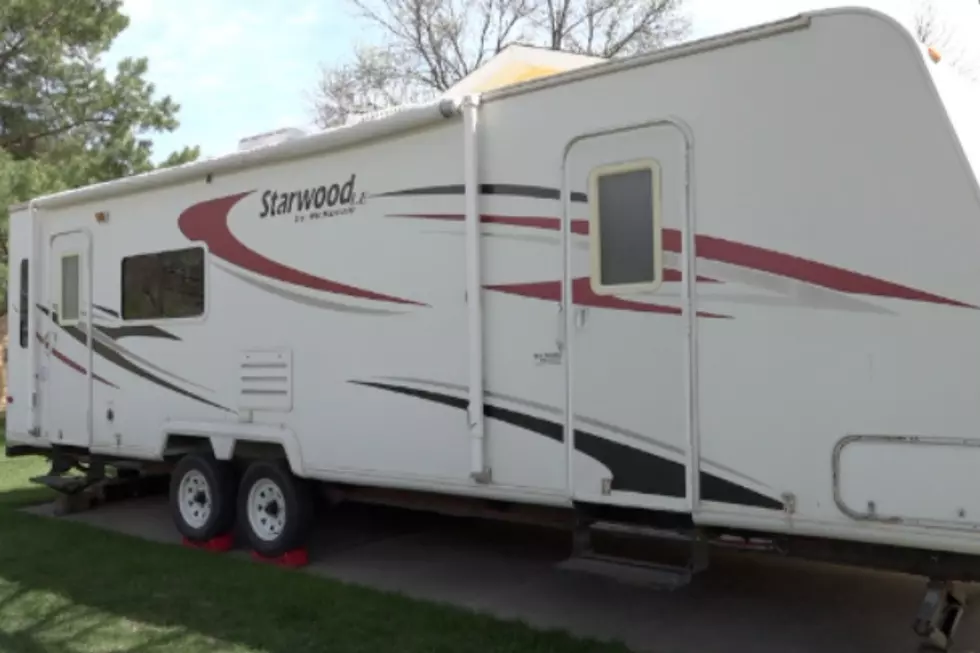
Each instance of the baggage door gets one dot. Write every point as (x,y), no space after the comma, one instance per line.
(626,293)
(66,383)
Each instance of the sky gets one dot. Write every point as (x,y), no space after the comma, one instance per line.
(242,67)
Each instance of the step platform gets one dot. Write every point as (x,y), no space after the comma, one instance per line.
(635,571)
(628,572)
(63,484)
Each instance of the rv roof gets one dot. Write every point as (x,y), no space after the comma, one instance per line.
(415,115)
(518,63)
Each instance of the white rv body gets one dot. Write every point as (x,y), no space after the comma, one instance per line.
(806,362)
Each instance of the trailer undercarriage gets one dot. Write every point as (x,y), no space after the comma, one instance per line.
(659,551)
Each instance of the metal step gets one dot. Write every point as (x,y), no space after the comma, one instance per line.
(629,569)
(650,532)
(63,484)
(630,572)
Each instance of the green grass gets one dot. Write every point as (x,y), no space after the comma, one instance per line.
(15,490)
(68,587)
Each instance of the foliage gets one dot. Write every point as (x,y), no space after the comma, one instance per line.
(429,45)
(65,120)
(934,30)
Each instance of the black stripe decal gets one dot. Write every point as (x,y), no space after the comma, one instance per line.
(513,190)
(633,470)
(718,489)
(105,309)
(547,428)
(143,330)
(117,359)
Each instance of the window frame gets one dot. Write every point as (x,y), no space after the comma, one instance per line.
(206,281)
(68,253)
(24,302)
(595,241)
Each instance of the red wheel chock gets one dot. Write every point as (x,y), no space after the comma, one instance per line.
(294,558)
(219,543)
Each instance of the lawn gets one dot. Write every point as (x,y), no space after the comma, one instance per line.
(68,587)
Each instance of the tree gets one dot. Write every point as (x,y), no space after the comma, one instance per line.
(64,120)
(933,30)
(429,45)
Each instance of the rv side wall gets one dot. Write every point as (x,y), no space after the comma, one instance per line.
(21,340)
(321,302)
(837,229)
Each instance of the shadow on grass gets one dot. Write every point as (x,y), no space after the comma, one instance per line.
(186,600)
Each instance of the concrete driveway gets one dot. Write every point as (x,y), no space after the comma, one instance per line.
(741,603)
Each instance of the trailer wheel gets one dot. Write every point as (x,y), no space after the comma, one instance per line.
(202,497)
(275,508)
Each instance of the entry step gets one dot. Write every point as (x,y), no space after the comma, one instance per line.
(63,484)
(616,528)
(630,572)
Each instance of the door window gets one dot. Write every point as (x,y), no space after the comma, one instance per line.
(70,288)
(625,230)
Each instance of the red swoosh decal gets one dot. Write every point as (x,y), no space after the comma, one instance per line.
(75,366)
(747,256)
(582,295)
(534,222)
(208,222)
(800,269)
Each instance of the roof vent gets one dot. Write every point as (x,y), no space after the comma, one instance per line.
(270,138)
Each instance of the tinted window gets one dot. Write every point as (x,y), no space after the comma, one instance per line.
(163,285)
(24,299)
(69,288)
(625,205)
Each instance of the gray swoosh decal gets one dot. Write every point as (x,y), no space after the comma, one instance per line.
(303,299)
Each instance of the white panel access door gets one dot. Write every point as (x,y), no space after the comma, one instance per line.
(626,219)
(66,383)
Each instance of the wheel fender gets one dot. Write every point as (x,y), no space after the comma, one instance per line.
(224,435)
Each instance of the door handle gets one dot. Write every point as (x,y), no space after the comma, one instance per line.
(560,331)
(554,357)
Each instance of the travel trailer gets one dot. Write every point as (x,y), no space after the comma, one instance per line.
(727,291)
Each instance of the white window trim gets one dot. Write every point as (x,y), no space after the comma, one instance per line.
(68,253)
(594,237)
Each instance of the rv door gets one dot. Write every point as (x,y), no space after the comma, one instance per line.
(628,324)
(66,382)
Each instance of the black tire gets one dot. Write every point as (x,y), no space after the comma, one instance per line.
(297,511)
(219,478)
